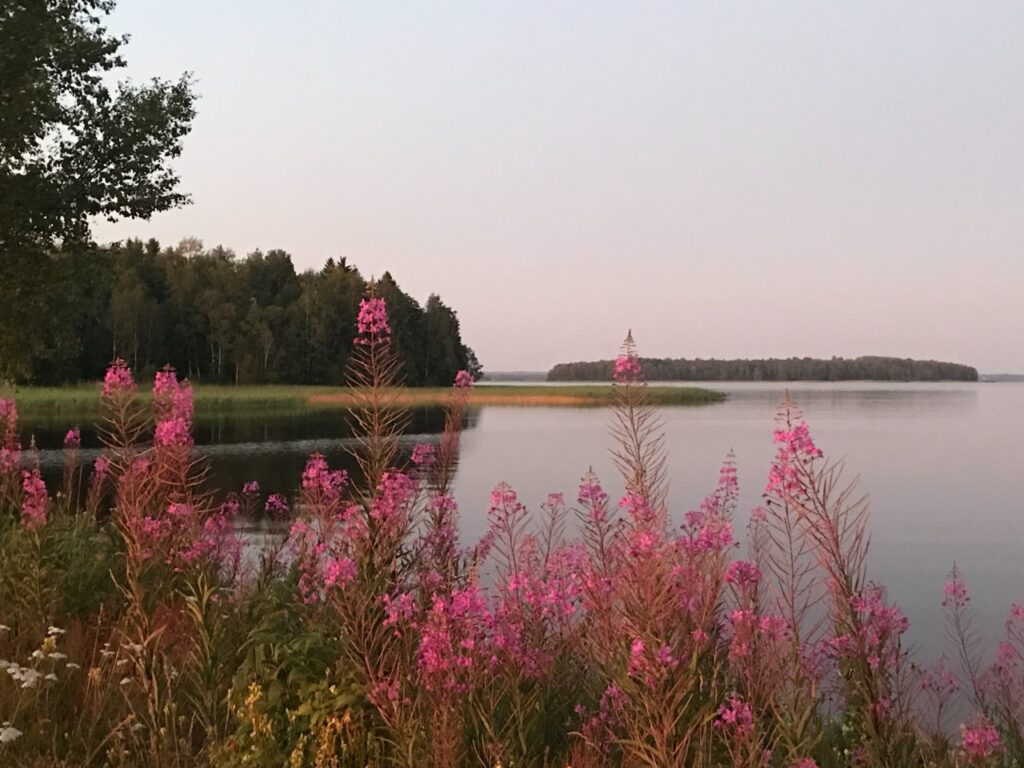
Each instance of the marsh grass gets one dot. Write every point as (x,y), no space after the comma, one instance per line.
(83,401)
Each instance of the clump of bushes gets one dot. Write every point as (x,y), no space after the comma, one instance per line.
(139,630)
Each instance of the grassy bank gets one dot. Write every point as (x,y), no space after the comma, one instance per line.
(84,399)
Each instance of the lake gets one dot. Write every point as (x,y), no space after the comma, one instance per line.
(943,465)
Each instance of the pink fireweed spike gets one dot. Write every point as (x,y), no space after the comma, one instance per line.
(73,439)
(35,500)
(118,379)
(980,742)
(372,322)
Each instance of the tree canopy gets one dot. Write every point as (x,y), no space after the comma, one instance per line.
(219,318)
(71,148)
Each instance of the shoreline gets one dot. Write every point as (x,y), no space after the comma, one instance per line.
(85,399)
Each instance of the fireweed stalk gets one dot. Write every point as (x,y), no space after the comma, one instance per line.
(598,632)
(174,542)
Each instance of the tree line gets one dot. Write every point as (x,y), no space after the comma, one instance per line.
(214,317)
(774,369)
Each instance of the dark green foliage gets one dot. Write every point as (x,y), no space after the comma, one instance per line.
(212,316)
(791,369)
(80,555)
(70,148)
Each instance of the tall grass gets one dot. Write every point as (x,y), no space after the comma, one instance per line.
(137,631)
(82,401)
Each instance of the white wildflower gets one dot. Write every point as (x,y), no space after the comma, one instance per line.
(72,665)
(8,734)
(52,676)
(126,681)
(54,631)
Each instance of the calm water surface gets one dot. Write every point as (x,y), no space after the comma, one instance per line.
(943,465)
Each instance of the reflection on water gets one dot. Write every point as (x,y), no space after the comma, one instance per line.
(942,464)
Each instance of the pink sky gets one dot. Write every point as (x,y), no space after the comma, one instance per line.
(744,181)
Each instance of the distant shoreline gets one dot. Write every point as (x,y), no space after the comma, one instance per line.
(836,369)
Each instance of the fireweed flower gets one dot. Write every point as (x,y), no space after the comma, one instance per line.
(372,320)
(339,572)
(980,741)
(101,465)
(172,432)
(174,407)
(592,495)
(741,573)
(453,641)
(318,479)
(165,384)
(35,500)
(118,379)
(424,455)
(463,380)
(394,492)
(955,594)
(628,369)
(796,447)
(939,682)
(636,657)
(276,506)
(252,488)
(736,715)
(880,627)
(73,439)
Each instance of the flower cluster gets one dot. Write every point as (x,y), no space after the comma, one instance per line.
(277,507)
(424,455)
(174,408)
(742,574)
(463,380)
(955,592)
(321,481)
(453,641)
(73,439)
(118,380)
(980,741)
(35,500)
(796,449)
(876,636)
(627,369)
(736,716)
(372,321)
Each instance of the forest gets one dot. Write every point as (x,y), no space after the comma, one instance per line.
(774,369)
(216,318)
